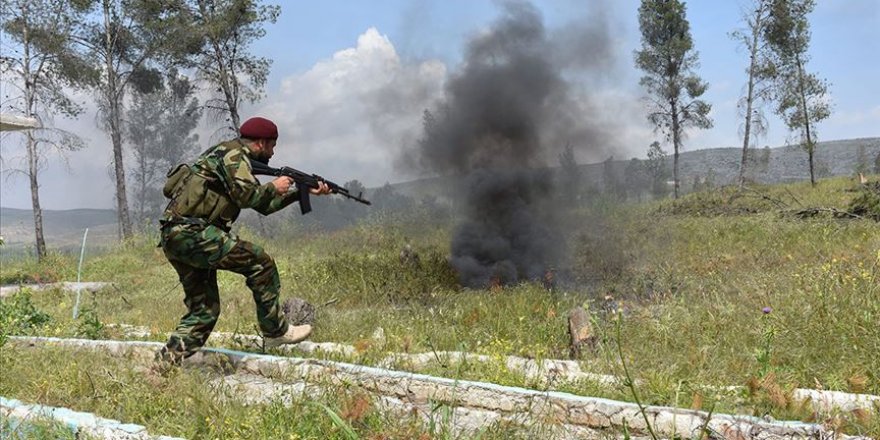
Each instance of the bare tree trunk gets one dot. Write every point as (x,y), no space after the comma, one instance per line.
(750,96)
(810,146)
(32,153)
(35,197)
(676,141)
(228,82)
(119,168)
(115,124)
(229,91)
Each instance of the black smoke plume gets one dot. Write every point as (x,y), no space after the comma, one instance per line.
(505,112)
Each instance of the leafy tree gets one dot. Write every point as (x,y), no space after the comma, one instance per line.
(696,185)
(862,160)
(877,164)
(218,51)
(799,95)
(637,178)
(709,180)
(160,132)
(758,84)
(126,41)
(656,168)
(667,57)
(355,186)
(40,61)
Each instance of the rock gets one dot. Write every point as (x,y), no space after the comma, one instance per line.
(379,337)
(298,311)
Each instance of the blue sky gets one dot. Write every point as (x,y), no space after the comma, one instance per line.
(845,47)
(332,58)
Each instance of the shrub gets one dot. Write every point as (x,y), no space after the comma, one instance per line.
(867,202)
(18,315)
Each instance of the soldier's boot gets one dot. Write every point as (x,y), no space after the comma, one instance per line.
(295,333)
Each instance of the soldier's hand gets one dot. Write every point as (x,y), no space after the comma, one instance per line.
(321,190)
(282,185)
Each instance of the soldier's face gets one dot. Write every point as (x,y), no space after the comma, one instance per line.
(267,149)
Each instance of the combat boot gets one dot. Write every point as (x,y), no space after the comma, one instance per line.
(295,333)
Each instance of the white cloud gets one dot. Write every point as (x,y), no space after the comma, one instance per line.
(855,117)
(348,116)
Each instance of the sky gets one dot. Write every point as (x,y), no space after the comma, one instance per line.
(350,80)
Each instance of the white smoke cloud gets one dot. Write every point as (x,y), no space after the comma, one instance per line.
(348,116)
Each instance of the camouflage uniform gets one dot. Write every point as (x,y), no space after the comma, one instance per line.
(197,241)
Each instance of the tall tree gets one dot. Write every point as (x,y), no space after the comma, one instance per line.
(126,41)
(757,85)
(218,50)
(668,58)
(160,132)
(40,61)
(800,96)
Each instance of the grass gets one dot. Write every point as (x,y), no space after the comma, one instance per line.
(187,404)
(690,277)
(37,430)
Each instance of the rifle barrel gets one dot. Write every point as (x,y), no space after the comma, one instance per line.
(310,180)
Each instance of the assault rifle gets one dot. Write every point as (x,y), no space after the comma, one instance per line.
(303,182)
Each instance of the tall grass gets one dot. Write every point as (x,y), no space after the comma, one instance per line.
(691,279)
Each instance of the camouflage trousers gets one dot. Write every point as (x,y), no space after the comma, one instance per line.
(196,253)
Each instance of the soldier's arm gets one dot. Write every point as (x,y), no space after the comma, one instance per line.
(246,191)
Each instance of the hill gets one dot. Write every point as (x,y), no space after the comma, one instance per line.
(62,228)
(769,165)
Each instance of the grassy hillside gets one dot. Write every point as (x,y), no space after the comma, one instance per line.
(719,288)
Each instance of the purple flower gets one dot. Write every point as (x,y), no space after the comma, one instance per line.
(766,310)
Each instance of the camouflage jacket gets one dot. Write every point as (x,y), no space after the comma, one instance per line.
(219,185)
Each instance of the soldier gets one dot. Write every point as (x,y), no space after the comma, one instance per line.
(206,198)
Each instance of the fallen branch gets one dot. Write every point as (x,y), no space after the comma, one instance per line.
(812,212)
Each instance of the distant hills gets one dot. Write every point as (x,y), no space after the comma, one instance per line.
(64,228)
(768,165)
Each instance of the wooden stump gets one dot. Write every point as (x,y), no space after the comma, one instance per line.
(581,332)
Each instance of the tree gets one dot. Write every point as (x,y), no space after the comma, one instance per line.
(877,164)
(862,165)
(42,64)
(637,178)
(218,50)
(668,59)
(126,41)
(758,84)
(656,168)
(159,130)
(799,95)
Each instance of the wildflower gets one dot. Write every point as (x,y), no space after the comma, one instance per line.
(766,310)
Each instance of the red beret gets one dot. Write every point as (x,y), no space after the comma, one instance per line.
(258,128)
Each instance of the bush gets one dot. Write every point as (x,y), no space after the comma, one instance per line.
(18,315)
(867,202)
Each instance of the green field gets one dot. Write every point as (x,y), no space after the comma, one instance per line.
(683,288)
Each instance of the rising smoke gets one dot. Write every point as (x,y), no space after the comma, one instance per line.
(505,112)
